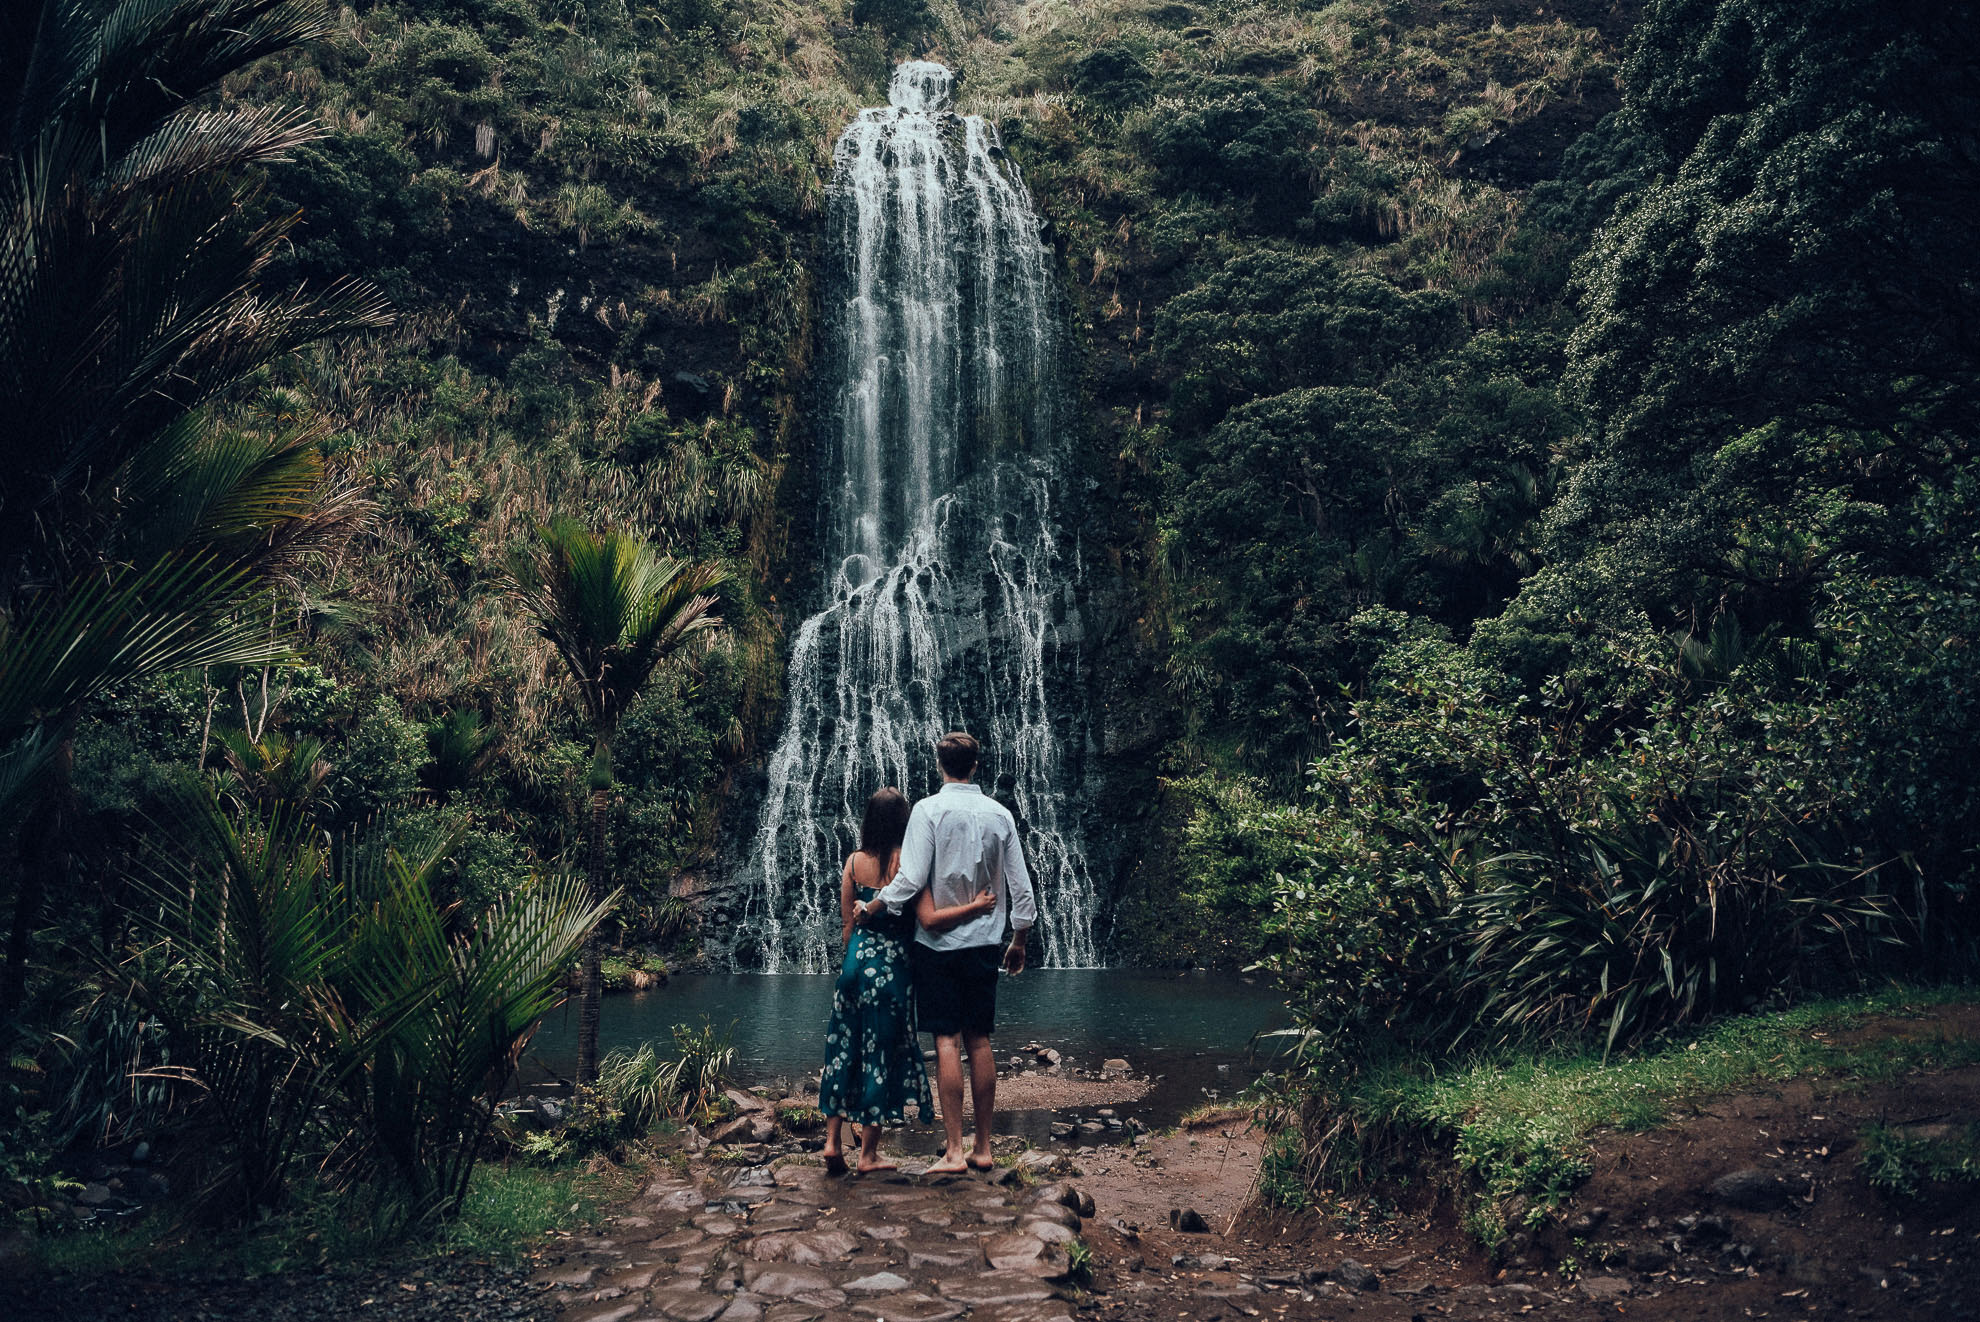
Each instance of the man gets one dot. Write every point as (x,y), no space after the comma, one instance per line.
(961,842)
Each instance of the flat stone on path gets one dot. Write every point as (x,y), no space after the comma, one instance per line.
(994,1288)
(1050,1232)
(685,1304)
(674,1198)
(783,1281)
(742,1309)
(616,1312)
(680,1239)
(944,1259)
(631,1279)
(770,1248)
(878,1283)
(570,1278)
(820,1246)
(791,1312)
(1043,1310)
(909,1308)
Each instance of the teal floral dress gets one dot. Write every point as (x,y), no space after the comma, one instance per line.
(873,1067)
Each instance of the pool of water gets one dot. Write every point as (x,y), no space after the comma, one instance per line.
(1181,1028)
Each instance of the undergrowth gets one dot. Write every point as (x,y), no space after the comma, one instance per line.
(507,1209)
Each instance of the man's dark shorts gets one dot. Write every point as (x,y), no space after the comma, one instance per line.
(955,991)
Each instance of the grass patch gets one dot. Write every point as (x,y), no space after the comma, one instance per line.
(508,1208)
(1518,1126)
(1907,1164)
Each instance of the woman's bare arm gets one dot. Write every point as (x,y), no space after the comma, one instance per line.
(846,905)
(941,920)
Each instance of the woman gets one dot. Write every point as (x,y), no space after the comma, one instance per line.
(872,1058)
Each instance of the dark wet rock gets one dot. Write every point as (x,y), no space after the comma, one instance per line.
(1051,1232)
(732,1131)
(1202,1262)
(1050,1209)
(1356,1276)
(1602,1289)
(1188,1220)
(1752,1190)
(1589,1221)
(1649,1260)
(95,1194)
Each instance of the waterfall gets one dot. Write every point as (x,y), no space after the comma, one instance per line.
(949,600)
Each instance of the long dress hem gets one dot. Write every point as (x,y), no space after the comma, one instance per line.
(873,1069)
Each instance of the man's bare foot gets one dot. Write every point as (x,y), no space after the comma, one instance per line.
(948,1166)
(868,1167)
(978,1162)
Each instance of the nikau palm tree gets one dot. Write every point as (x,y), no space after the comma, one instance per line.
(615,610)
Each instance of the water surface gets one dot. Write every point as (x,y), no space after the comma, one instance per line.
(1181,1027)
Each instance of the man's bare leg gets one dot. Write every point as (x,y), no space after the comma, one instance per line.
(982,1096)
(949,1089)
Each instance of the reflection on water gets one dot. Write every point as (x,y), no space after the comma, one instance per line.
(1180,1027)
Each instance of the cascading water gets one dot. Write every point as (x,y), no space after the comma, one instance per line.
(950,593)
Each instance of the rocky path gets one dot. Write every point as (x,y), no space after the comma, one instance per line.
(788,1243)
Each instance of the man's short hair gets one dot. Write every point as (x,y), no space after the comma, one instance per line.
(957,753)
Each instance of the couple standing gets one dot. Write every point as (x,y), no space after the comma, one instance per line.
(955,860)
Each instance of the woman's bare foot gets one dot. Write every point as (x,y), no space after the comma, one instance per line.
(835,1163)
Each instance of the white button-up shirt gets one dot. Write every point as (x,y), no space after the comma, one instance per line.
(961,841)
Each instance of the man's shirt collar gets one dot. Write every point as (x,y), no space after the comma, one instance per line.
(967,787)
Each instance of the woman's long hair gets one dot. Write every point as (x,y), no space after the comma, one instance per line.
(885,824)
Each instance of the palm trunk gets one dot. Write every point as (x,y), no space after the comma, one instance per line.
(591,991)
